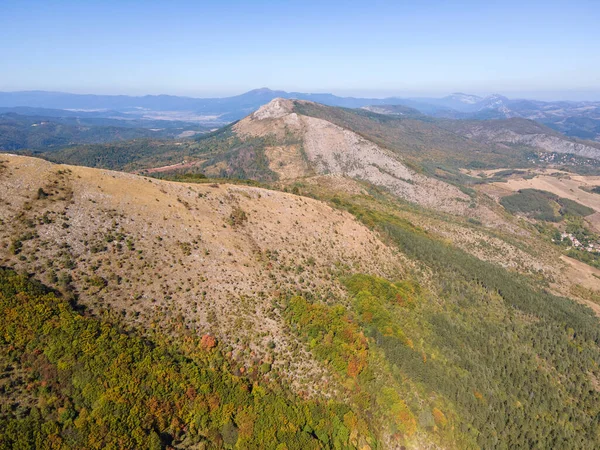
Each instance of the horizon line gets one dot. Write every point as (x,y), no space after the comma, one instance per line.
(398,96)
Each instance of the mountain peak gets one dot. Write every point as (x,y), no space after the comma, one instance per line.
(496,97)
(275,109)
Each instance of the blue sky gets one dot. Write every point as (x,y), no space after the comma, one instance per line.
(543,49)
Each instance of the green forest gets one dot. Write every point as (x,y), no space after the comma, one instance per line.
(518,365)
(543,205)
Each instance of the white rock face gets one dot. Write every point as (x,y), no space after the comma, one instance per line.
(335,150)
(275,109)
(329,149)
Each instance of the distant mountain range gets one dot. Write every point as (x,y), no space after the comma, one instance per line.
(578,119)
(227,109)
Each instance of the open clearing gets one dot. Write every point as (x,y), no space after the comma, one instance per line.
(563,184)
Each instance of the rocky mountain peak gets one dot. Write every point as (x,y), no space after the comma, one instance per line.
(275,109)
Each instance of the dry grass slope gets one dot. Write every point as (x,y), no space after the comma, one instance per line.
(208,257)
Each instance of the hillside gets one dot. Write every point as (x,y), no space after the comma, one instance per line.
(577,119)
(355,319)
(439,147)
(223,237)
(394,110)
(523,132)
(420,160)
(286,140)
(307,145)
(421,141)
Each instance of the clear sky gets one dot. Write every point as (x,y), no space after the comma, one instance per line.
(543,49)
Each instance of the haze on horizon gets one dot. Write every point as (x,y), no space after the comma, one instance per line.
(379,49)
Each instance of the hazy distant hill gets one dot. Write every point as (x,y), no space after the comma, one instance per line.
(49,133)
(523,132)
(395,110)
(232,107)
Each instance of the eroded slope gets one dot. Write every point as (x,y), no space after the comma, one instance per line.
(322,147)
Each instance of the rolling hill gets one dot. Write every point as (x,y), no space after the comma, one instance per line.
(283,141)
(523,132)
(419,159)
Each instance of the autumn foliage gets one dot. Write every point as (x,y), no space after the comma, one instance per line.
(208,342)
(89,385)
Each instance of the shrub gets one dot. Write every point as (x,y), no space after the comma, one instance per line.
(237,217)
(208,342)
(41,194)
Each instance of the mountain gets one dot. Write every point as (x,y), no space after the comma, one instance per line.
(305,145)
(575,119)
(293,139)
(228,108)
(212,315)
(62,113)
(463,98)
(265,148)
(457,102)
